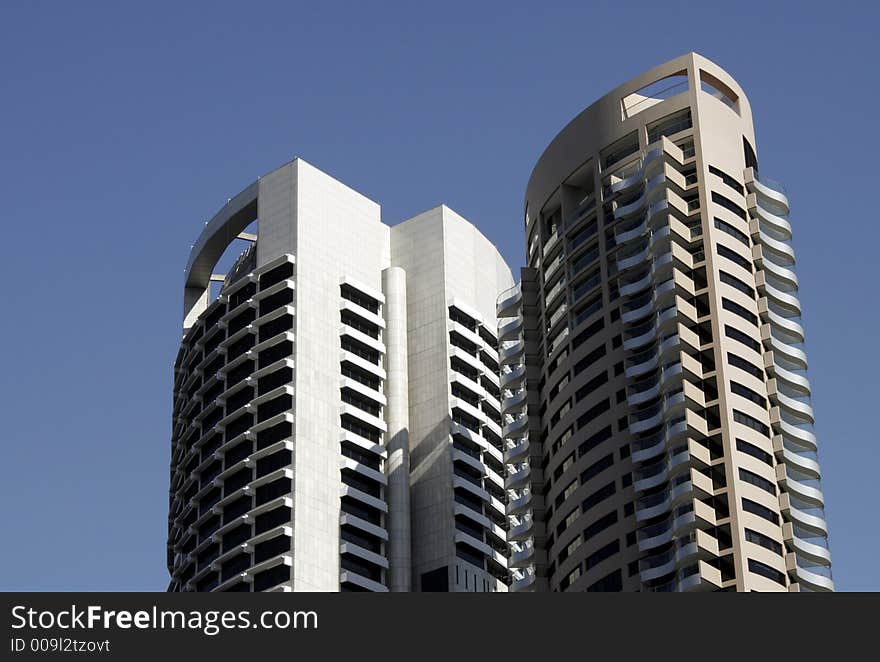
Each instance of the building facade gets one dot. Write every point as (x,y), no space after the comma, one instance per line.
(337,416)
(658,429)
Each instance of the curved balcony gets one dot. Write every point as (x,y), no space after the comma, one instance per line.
(511,351)
(510,330)
(521,553)
(654,535)
(810,551)
(778,224)
(785,277)
(518,502)
(508,302)
(801,463)
(795,408)
(786,325)
(514,425)
(810,578)
(520,527)
(515,449)
(811,523)
(799,436)
(786,301)
(514,376)
(652,506)
(791,379)
(522,579)
(782,252)
(643,363)
(790,353)
(651,476)
(515,401)
(518,476)
(634,259)
(658,566)
(766,189)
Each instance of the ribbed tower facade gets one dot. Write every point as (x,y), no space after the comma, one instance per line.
(336,417)
(657,418)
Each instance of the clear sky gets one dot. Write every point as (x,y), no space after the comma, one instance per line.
(124,126)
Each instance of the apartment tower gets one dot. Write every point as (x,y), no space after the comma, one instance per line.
(658,429)
(337,415)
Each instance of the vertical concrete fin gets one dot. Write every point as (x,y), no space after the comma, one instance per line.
(397,419)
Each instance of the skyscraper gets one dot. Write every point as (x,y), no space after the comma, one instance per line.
(337,421)
(658,430)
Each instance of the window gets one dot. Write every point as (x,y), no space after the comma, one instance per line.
(739,336)
(747,366)
(748,393)
(758,481)
(749,156)
(729,205)
(732,231)
(593,413)
(596,468)
(734,257)
(570,578)
(600,525)
(609,583)
(750,421)
(629,508)
(736,309)
(601,554)
(727,179)
(761,511)
(763,541)
(589,359)
(750,449)
(591,386)
(736,283)
(588,333)
(626,480)
(598,496)
(766,571)
(590,443)
(669,125)
(619,150)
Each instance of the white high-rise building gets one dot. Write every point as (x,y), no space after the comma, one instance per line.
(336,403)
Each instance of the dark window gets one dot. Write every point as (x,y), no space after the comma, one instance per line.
(590,386)
(736,283)
(732,231)
(729,205)
(736,309)
(359,298)
(766,571)
(734,257)
(747,366)
(608,584)
(739,336)
(598,496)
(748,394)
(669,125)
(727,179)
(588,333)
(601,554)
(271,577)
(750,421)
(596,468)
(589,359)
(600,525)
(761,511)
(276,275)
(594,412)
(594,440)
(756,480)
(750,449)
(763,541)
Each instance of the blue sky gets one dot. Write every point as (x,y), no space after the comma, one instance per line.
(124,126)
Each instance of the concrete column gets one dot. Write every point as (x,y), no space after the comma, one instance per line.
(397,440)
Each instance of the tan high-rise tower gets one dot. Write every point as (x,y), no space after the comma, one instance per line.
(654,391)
